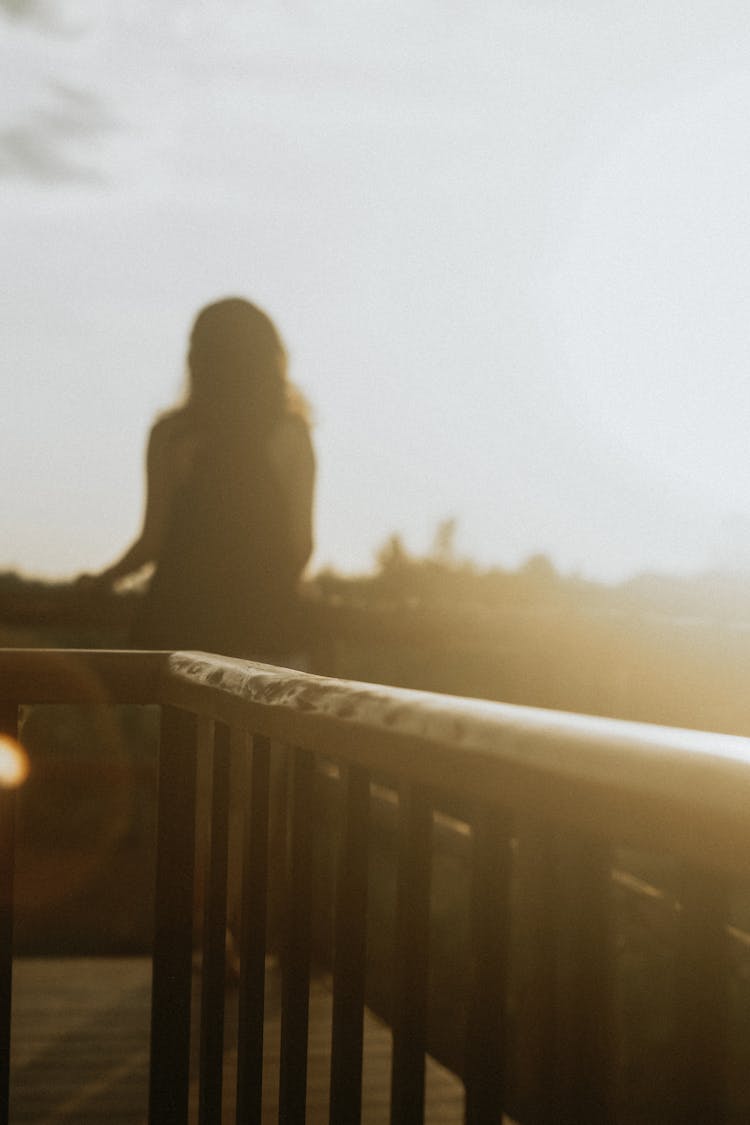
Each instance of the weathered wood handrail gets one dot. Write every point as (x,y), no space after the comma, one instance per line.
(589,781)
(685,791)
(651,786)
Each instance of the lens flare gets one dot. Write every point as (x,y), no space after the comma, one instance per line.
(14,763)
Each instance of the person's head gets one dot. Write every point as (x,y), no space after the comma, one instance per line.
(237,365)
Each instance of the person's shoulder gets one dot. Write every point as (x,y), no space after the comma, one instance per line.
(170,426)
(171,434)
(170,422)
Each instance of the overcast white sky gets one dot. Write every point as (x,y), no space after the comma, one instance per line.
(506,242)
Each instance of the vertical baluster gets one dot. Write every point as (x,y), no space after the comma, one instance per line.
(8,726)
(349,950)
(490,925)
(702,998)
(214,937)
(585,1045)
(411,956)
(253,934)
(537,1007)
(295,992)
(173,929)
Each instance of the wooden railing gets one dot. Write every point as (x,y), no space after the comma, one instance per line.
(545,794)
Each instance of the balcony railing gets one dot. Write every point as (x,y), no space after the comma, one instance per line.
(576,786)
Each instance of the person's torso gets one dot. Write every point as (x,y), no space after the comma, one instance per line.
(225,579)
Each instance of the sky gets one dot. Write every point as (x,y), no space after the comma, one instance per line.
(506,244)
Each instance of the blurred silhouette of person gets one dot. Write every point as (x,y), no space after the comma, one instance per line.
(228,522)
(228,517)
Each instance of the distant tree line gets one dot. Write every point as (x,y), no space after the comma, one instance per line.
(443,579)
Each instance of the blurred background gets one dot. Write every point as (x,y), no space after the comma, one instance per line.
(505,243)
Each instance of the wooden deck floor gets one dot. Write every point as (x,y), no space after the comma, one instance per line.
(80,1048)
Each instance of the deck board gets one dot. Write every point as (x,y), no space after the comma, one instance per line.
(80,1048)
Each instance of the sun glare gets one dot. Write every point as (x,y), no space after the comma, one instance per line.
(14,763)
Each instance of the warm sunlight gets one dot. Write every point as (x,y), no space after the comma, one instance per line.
(14,763)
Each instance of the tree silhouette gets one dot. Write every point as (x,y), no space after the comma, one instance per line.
(444,542)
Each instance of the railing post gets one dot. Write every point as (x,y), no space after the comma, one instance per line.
(484,1075)
(702,998)
(350,949)
(8,726)
(585,1032)
(537,991)
(213,968)
(411,956)
(173,928)
(253,933)
(295,984)
(566,1040)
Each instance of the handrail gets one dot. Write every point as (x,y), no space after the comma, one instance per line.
(49,675)
(684,791)
(650,786)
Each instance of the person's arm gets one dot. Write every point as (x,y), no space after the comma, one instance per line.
(293,463)
(162,474)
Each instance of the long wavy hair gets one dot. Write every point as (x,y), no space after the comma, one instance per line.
(237,370)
